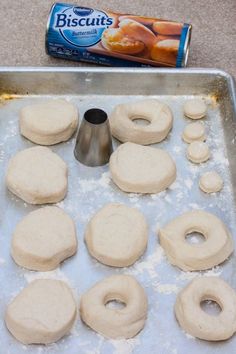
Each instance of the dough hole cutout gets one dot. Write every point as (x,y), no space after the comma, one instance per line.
(195,238)
(115,304)
(211,307)
(142,121)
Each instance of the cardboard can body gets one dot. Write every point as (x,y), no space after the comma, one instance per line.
(112,39)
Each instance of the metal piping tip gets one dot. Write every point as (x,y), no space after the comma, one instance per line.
(93,145)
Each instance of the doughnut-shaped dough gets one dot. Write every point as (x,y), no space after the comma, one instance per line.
(195,321)
(115,40)
(194,132)
(49,122)
(115,323)
(211,182)
(37,175)
(165,51)
(195,108)
(41,313)
(214,250)
(117,235)
(167,28)
(156,113)
(142,169)
(198,152)
(43,239)
(138,31)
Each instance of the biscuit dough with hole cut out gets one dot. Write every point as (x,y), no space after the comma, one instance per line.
(194,132)
(157,114)
(216,248)
(211,182)
(117,235)
(195,108)
(198,152)
(115,323)
(43,239)
(142,169)
(37,175)
(49,122)
(195,321)
(41,313)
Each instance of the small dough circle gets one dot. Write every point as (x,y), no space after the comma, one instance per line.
(142,169)
(195,321)
(41,313)
(49,122)
(195,108)
(216,248)
(37,175)
(115,323)
(211,182)
(198,152)
(43,239)
(124,128)
(194,132)
(117,235)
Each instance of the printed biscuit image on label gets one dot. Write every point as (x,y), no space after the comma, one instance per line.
(113,39)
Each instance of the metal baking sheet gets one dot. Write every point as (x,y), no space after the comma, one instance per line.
(91,188)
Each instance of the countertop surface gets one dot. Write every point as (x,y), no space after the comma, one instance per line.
(23,25)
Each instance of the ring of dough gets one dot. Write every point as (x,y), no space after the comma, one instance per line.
(156,113)
(195,321)
(115,323)
(216,249)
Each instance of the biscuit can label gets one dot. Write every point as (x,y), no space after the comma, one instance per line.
(113,39)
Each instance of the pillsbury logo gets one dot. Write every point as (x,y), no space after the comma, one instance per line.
(82,11)
(81,26)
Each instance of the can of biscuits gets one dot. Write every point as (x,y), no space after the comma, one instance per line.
(113,39)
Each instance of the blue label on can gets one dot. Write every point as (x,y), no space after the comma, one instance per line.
(80,26)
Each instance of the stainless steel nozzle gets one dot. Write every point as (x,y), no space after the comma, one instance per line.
(93,145)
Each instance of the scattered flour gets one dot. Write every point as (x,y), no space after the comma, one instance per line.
(124,346)
(165,288)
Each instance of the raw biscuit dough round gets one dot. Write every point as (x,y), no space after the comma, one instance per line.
(195,108)
(142,169)
(49,122)
(117,235)
(37,175)
(124,128)
(194,132)
(41,313)
(198,152)
(115,323)
(195,321)
(211,182)
(216,248)
(43,239)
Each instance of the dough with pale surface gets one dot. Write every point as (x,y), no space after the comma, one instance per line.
(115,323)
(142,169)
(195,108)
(43,239)
(117,235)
(211,182)
(42,313)
(49,122)
(216,248)
(194,132)
(158,115)
(198,152)
(195,321)
(37,175)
